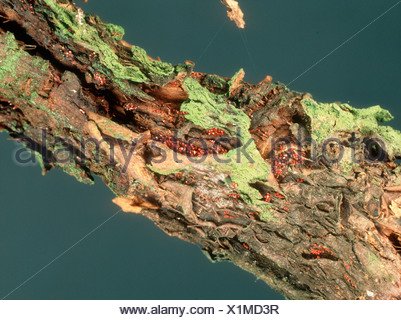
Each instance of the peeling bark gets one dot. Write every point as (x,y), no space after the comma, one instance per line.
(234,12)
(310,227)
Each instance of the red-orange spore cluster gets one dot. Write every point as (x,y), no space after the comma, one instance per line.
(100,78)
(129,106)
(228,214)
(92,55)
(215,132)
(188,148)
(175,83)
(267,197)
(318,251)
(189,180)
(28,6)
(168,111)
(286,159)
(196,75)
(56,78)
(203,198)
(262,133)
(68,54)
(349,280)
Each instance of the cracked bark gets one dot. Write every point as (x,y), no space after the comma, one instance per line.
(331,234)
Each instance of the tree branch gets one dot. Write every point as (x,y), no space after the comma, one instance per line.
(302,194)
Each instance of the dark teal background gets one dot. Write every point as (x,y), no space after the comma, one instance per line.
(129,258)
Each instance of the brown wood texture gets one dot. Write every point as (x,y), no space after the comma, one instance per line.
(329,235)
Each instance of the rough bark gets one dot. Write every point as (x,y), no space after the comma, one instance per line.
(310,227)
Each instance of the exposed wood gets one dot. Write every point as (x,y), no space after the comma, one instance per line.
(234,12)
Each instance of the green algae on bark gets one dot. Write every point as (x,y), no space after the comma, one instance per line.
(12,57)
(13,61)
(328,119)
(155,70)
(209,110)
(244,164)
(139,70)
